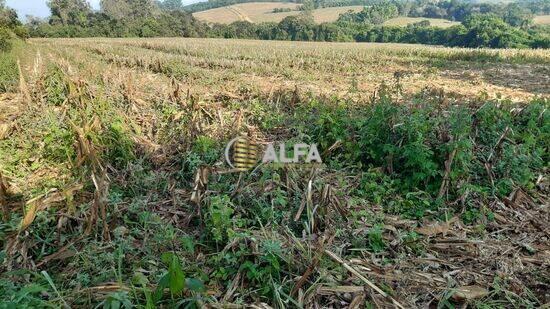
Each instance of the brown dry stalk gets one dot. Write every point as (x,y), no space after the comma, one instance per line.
(446,177)
(61,254)
(87,153)
(306,201)
(496,149)
(43,202)
(365,280)
(23,84)
(232,287)
(323,242)
(100,203)
(201,182)
(3,198)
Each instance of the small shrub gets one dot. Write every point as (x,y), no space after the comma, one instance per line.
(5,40)
(9,74)
(219,219)
(119,145)
(58,141)
(21,32)
(208,149)
(376,241)
(281,10)
(56,86)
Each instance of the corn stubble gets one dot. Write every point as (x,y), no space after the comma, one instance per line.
(433,190)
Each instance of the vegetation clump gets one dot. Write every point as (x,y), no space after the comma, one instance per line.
(282,10)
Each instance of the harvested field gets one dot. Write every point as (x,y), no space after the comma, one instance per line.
(433,190)
(257,12)
(211,65)
(436,22)
(542,19)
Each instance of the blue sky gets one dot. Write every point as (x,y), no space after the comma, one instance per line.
(40,9)
(36,7)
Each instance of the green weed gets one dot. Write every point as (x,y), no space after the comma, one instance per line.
(9,73)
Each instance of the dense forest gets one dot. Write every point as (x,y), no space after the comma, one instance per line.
(482,24)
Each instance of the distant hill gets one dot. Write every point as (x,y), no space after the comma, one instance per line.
(257,12)
(436,22)
(212,4)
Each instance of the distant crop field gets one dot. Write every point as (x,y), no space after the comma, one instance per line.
(332,14)
(211,65)
(542,20)
(436,22)
(257,12)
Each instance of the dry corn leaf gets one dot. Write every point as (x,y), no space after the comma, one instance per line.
(3,197)
(43,202)
(61,254)
(328,290)
(4,130)
(469,292)
(29,216)
(436,228)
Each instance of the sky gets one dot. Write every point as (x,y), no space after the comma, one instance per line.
(39,8)
(36,7)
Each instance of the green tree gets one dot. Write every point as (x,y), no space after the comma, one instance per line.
(307,6)
(5,37)
(171,5)
(117,9)
(374,14)
(129,9)
(69,12)
(298,27)
(8,17)
(329,32)
(142,8)
(489,30)
(517,16)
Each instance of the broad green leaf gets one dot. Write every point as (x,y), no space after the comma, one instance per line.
(195,285)
(177,278)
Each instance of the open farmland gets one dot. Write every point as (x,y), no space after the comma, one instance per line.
(208,66)
(542,20)
(257,12)
(433,189)
(436,22)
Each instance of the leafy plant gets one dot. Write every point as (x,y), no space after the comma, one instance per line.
(116,300)
(5,40)
(219,219)
(375,239)
(174,278)
(9,73)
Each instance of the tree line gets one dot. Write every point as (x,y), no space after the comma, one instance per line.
(117,18)
(476,31)
(482,25)
(456,10)
(495,28)
(10,27)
